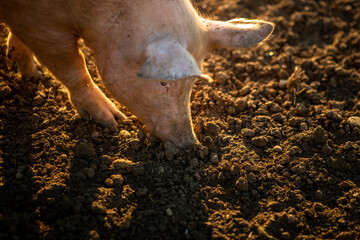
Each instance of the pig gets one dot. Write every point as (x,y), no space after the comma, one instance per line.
(147,52)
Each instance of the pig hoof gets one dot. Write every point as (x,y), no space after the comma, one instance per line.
(94,103)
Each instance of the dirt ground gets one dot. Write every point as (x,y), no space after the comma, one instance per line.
(280,135)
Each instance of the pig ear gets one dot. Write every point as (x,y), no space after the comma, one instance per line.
(238,32)
(167,59)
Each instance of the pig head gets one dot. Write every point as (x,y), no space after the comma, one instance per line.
(148,52)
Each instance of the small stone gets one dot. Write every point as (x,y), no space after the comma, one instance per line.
(244,91)
(125,134)
(354,122)
(295,150)
(282,83)
(247,132)
(122,163)
(319,194)
(214,159)
(168,212)
(141,135)
(303,127)
(278,149)
(259,141)
(240,105)
(300,109)
(95,134)
(242,184)
(63,156)
(220,77)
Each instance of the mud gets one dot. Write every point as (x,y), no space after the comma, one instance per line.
(279,156)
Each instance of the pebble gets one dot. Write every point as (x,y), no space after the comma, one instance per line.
(354,122)
(244,91)
(291,218)
(303,127)
(278,149)
(334,115)
(282,83)
(214,159)
(122,163)
(247,132)
(240,104)
(259,141)
(125,134)
(95,134)
(168,212)
(295,150)
(300,109)
(220,77)
(242,184)
(63,156)
(319,194)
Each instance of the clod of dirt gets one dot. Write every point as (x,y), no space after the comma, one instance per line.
(122,163)
(84,150)
(242,184)
(214,159)
(170,150)
(247,132)
(141,135)
(319,135)
(260,141)
(354,122)
(212,129)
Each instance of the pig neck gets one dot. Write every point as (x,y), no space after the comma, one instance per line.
(118,31)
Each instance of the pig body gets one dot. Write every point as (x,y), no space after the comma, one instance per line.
(148,53)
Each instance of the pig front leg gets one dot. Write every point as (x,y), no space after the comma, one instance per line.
(17,52)
(60,53)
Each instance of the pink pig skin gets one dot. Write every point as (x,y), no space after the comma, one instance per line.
(148,53)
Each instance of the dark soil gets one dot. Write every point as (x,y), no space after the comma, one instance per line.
(280,135)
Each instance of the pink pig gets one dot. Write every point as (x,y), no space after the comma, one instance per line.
(148,53)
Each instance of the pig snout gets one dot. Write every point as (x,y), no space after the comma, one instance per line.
(181,134)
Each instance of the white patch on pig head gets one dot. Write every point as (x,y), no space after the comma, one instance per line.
(167,59)
(237,32)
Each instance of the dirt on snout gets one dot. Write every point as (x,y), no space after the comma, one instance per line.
(280,144)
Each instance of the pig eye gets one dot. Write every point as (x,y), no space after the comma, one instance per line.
(163,84)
